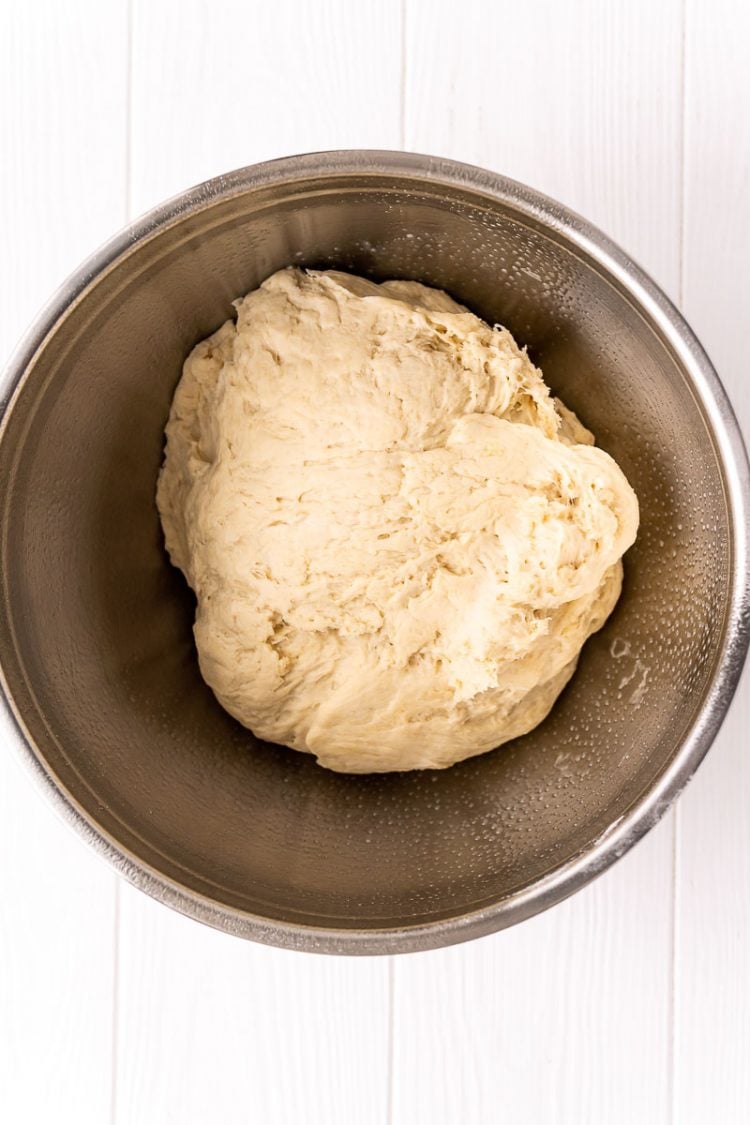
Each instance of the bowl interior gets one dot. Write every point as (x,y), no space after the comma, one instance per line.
(96,641)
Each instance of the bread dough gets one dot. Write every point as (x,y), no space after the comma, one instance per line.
(399,541)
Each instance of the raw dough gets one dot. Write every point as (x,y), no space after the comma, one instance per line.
(399,541)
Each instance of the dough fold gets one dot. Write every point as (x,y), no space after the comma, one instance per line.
(398,539)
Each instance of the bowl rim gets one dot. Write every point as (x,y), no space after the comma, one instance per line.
(650,806)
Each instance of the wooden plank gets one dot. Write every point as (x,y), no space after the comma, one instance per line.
(63,96)
(216,1029)
(562,1019)
(233,83)
(212,1028)
(712,1080)
(568,1017)
(63,93)
(579,101)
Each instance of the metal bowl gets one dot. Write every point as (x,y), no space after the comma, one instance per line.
(96,647)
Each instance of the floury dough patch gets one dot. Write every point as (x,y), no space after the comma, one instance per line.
(399,541)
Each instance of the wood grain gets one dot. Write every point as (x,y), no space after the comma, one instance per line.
(61,98)
(236,82)
(712,1076)
(548,1021)
(581,100)
(551,1021)
(212,1028)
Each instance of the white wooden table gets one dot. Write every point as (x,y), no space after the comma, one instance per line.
(630,1003)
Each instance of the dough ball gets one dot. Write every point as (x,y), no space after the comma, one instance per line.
(398,540)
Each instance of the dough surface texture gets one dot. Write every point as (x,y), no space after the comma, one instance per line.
(398,539)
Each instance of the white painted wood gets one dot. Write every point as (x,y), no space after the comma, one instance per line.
(580,100)
(63,106)
(568,1017)
(713,923)
(62,97)
(209,1028)
(564,1019)
(216,1029)
(220,85)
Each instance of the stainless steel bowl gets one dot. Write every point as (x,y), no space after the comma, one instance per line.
(95,634)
